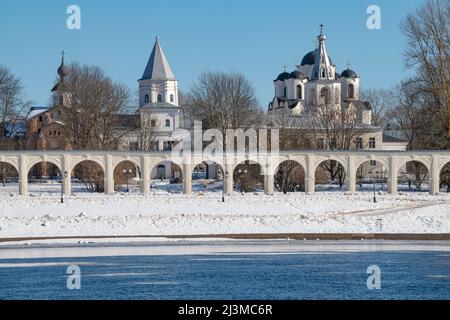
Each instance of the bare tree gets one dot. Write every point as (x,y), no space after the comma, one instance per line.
(338,128)
(146,132)
(223,101)
(94,101)
(382,102)
(408,115)
(12,107)
(428,52)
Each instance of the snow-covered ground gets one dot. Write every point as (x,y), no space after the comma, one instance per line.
(167,212)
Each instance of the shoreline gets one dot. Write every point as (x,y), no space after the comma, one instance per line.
(249,236)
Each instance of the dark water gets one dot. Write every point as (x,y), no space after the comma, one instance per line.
(404,275)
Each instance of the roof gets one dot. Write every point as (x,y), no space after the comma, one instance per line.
(35,111)
(161,105)
(158,67)
(349,74)
(390,139)
(282,76)
(310,58)
(297,75)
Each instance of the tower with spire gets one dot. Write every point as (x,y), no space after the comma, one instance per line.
(158,85)
(323,68)
(58,90)
(159,111)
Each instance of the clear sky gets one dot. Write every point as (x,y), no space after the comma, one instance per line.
(253,37)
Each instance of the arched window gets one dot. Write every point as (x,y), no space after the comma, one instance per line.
(312,97)
(299,92)
(337,96)
(167,123)
(324,96)
(322,72)
(146,98)
(159,98)
(351,91)
(172,98)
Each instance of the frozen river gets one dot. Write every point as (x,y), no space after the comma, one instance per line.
(227,270)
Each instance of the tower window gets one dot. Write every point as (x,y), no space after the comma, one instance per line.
(159,98)
(285,92)
(171,98)
(299,92)
(322,71)
(324,96)
(313,99)
(146,98)
(167,123)
(351,91)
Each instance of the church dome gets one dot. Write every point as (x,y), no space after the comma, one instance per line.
(349,74)
(282,76)
(309,58)
(63,71)
(297,75)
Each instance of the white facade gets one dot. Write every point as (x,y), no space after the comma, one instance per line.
(315,82)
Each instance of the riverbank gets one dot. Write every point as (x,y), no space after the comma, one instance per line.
(325,215)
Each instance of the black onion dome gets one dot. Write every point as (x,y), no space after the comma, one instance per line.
(283,76)
(349,74)
(63,71)
(309,58)
(297,75)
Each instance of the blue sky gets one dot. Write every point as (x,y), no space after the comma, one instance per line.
(253,37)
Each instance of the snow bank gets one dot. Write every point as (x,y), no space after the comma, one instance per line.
(163,213)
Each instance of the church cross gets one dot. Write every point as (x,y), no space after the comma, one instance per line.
(285,67)
(321,28)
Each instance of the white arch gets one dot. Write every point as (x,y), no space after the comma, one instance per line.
(10,162)
(77,161)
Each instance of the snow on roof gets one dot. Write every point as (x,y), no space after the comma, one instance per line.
(35,111)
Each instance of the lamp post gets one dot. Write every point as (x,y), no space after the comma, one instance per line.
(374,178)
(62,189)
(224,179)
(127,174)
(242,174)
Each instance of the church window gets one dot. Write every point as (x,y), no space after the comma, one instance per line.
(146,98)
(171,98)
(285,92)
(322,72)
(153,123)
(299,92)
(324,96)
(337,96)
(351,91)
(159,98)
(312,98)
(167,123)
(40,118)
(50,133)
(372,143)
